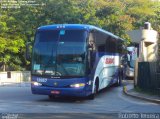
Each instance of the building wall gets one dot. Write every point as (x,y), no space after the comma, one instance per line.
(148,42)
(16,77)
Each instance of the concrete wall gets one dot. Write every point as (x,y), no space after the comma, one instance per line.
(16,77)
(148,43)
(135,35)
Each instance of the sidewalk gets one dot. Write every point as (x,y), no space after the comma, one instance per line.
(20,84)
(129,91)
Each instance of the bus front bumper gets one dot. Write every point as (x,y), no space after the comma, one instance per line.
(77,92)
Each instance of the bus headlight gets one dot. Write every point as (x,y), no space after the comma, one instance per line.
(36,84)
(121,66)
(78,85)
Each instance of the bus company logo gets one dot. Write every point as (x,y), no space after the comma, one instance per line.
(109,61)
(55,83)
(42,80)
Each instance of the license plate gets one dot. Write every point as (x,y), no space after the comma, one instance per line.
(55,92)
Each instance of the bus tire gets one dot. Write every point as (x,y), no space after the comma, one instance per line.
(92,96)
(51,97)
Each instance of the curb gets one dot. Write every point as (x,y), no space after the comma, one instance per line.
(139,97)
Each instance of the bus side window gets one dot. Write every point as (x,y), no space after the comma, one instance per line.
(120,47)
(100,41)
(112,45)
(91,42)
(91,50)
(107,47)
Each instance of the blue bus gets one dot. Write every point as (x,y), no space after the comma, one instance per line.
(131,59)
(74,60)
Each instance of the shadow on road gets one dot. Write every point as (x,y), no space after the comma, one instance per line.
(66,99)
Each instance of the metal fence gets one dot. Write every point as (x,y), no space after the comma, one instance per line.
(149,76)
(15,78)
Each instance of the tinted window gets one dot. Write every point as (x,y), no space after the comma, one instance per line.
(111,45)
(47,36)
(120,47)
(100,41)
(73,36)
(57,53)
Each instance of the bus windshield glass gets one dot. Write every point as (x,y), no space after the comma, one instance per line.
(59,53)
(131,63)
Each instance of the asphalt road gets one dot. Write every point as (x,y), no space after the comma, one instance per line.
(109,101)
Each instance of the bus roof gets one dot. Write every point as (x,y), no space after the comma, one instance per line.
(77,26)
(130,48)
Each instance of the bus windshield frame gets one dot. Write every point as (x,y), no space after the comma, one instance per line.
(60,53)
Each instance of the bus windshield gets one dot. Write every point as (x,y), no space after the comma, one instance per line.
(132,56)
(59,53)
(131,63)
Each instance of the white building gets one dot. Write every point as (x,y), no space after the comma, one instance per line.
(148,42)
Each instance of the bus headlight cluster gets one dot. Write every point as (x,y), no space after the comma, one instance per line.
(36,84)
(89,82)
(78,85)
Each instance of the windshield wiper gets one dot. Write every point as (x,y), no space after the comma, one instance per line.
(64,69)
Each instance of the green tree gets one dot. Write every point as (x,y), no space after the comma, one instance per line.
(140,10)
(18,26)
(10,40)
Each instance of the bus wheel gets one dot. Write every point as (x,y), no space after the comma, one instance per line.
(51,97)
(92,96)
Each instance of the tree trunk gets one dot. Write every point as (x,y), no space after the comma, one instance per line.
(4,67)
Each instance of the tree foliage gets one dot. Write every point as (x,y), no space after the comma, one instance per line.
(18,26)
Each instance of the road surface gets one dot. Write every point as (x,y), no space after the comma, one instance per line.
(15,99)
